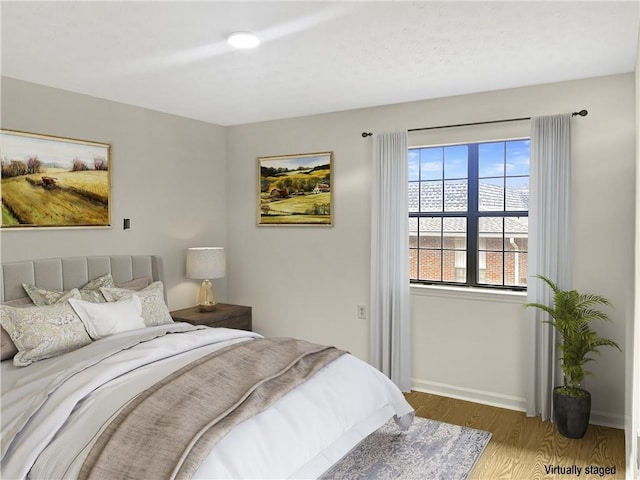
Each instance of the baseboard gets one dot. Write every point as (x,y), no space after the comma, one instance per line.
(499,400)
(606,419)
(470,395)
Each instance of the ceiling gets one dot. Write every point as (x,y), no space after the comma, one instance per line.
(315,57)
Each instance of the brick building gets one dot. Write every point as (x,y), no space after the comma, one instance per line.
(437,243)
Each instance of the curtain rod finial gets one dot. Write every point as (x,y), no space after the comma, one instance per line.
(366,134)
(582,113)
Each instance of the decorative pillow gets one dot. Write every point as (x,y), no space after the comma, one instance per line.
(103,319)
(154,310)
(136,283)
(43,332)
(90,292)
(7,348)
(20,302)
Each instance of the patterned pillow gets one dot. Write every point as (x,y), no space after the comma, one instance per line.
(154,310)
(43,332)
(90,292)
(7,349)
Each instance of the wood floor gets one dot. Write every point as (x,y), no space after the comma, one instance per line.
(523,448)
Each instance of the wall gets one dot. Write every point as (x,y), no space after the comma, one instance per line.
(168,177)
(308,281)
(632,405)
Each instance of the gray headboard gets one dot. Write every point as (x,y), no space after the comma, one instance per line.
(74,272)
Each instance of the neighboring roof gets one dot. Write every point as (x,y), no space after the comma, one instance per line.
(428,197)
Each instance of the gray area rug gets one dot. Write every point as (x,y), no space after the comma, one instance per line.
(428,450)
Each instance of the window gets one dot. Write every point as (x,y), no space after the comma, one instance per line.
(468,214)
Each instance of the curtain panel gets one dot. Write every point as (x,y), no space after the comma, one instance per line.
(549,250)
(390,319)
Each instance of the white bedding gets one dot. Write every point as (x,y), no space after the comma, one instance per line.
(53,410)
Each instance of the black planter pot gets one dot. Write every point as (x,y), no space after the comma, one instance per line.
(571,414)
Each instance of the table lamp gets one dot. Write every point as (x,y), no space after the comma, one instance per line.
(206,263)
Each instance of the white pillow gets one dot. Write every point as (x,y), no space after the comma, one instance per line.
(154,310)
(103,319)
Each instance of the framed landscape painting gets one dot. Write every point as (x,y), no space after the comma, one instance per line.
(295,189)
(54,182)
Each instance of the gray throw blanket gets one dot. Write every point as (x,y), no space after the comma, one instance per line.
(168,430)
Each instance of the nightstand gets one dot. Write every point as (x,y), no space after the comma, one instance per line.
(225,315)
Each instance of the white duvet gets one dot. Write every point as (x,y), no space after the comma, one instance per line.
(53,410)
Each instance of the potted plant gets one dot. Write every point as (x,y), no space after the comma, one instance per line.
(571,315)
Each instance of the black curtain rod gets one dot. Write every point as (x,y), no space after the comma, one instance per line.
(582,113)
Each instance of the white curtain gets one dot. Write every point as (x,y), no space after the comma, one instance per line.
(390,322)
(549,249)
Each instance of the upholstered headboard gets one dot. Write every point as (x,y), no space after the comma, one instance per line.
(74,272)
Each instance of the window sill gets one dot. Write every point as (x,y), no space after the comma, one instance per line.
(470,293)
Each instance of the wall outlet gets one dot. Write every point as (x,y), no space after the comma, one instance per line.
(362,312)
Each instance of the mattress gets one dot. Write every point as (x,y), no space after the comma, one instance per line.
(54,410)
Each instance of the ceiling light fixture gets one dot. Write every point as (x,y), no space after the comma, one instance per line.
(243,40)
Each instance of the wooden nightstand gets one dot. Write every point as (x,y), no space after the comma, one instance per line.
(225,315)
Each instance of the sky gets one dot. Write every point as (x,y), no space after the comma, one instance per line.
(450,162)
(294,161)
(59,151)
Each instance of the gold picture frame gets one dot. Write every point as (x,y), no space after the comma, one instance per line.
(50,181)
(295,190)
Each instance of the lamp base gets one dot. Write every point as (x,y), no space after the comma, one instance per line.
(207,308)
(206,299)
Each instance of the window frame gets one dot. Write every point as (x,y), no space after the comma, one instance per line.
(472,216)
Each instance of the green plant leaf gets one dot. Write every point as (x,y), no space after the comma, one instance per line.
(571,314)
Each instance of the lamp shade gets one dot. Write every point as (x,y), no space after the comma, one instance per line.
(206,263)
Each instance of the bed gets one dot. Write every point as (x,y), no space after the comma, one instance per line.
(115,405)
